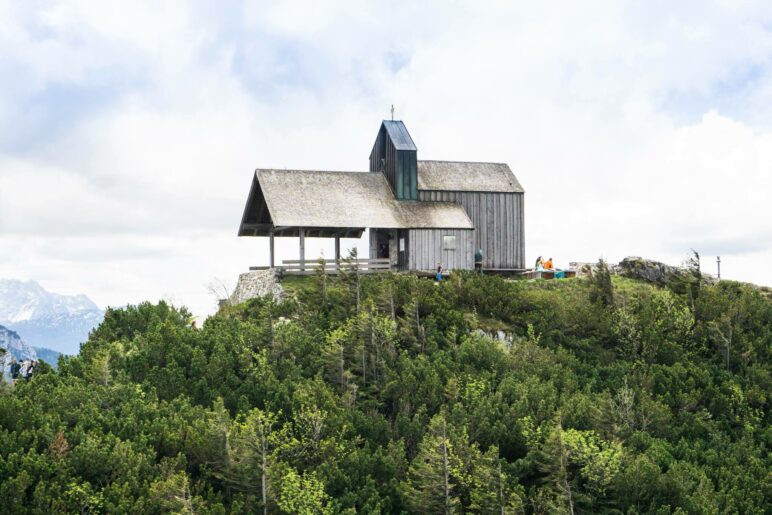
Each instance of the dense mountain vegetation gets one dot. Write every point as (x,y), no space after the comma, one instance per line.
(388,395)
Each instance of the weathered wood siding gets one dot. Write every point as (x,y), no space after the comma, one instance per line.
(498,221)
(425,249)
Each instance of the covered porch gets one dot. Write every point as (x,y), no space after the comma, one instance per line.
(304,266)
(340,205)
(272,232)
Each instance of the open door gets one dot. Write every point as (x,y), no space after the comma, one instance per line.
(402,249)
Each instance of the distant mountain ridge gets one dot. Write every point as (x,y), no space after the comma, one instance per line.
(48,355)
(14,345)
(47,320)
(27,300)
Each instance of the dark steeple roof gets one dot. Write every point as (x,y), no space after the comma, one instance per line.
(399,135)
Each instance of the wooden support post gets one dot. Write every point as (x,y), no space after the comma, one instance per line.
(337,248)
(302,234)
(271,248)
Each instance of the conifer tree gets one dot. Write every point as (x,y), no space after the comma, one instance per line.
(429,488)
(603,289)
(492,492)
(553,462)
(412,324)
(352,276)
(252,451)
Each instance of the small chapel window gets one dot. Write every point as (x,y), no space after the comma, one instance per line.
(449,243)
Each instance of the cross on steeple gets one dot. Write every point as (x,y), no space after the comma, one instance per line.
(392,112)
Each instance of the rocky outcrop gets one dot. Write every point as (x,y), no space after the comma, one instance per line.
(257,283)
(650,271)
(15,346)
(643,269)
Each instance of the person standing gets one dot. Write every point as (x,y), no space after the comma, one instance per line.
(478,261)
(15,368)
(23,368)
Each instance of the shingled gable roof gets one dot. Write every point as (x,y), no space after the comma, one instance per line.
(463,176)
(338,200)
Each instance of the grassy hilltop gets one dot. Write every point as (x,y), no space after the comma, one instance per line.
(388,395)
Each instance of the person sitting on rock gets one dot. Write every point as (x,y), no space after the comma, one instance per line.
(539,265)
(548,265)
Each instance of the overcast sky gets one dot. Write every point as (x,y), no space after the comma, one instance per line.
(129,131)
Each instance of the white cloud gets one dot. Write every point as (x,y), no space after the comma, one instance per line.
(635,129)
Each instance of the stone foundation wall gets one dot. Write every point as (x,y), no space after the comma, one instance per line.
(257,283)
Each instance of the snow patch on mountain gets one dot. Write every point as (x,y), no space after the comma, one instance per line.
(46,319)
(27,300)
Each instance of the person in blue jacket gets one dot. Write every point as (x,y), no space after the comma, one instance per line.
(478,261)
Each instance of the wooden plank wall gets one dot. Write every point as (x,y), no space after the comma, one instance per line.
(383,149)
(498,219)
(425,249)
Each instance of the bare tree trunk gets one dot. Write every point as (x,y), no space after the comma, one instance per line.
(263,478)
(418,326)
(358,287)
(726,339)
(445,468)
(374,347)
(342,371)
(324,283)
(501,491)
(564,472)
(270,319)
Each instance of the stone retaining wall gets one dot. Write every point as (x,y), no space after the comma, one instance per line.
(257,283)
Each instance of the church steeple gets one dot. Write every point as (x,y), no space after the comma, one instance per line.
(395,155)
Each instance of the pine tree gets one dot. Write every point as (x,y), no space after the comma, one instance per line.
(251,448)
(553,462)
(351,275)
(412,324)
(492,492)
(603,288)
(429,488)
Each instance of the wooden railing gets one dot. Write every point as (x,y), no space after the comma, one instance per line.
(310,267)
